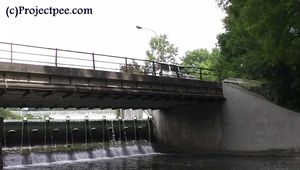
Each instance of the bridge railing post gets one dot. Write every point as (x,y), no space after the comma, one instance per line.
(200,74)
(56,57)
(154,70)
(126,64)
(11,52)
(94,64)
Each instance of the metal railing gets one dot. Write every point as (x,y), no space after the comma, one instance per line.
(28,54)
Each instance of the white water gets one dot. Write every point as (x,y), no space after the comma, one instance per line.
(116,151)
(81,155)
(12,161)
(38,158)
(99,153)
(133,150)
(148,149)
(56,157)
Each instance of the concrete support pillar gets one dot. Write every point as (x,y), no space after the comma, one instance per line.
(191,129)
(1,139)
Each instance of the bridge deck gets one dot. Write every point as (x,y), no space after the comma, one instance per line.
(24,85)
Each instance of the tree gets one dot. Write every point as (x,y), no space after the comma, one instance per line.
(196,58)
(202,58)
(161,50)
(132,67)
(262,42)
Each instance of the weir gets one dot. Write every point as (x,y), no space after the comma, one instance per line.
(72,131)
(31,142)
(42,156)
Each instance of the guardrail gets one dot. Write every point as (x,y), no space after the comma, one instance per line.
(28,54)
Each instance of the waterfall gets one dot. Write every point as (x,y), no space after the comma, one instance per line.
(59,157)
(36,159)
(81,155)
(48,142)
(39,158)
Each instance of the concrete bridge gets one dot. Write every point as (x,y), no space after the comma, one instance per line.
(40,77)
(192,115)
(23,85)
(39,80)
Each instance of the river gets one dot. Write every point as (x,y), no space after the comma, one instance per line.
(158,161)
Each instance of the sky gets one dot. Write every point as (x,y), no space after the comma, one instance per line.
(111,29)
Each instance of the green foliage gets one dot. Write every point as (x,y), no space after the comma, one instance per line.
(133,68)
(202,58)
(262,42)
(8,114)
(30,116)
(161,50)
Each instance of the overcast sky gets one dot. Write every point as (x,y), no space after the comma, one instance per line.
(190,24)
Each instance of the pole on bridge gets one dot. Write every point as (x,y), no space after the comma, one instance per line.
(1,139)
(126,66)
(11,52)
(153,65)
(56,57)
(94,65)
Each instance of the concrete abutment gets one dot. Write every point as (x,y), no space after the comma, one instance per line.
(243,124)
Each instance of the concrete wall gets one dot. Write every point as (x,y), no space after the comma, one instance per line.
(37,131)
(244,123)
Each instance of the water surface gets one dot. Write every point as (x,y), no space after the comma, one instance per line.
(175,162)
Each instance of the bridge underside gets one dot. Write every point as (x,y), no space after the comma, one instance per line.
(67,97)
(47,87)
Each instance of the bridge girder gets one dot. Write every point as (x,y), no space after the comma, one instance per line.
(23,85)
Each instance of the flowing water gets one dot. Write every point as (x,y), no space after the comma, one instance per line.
(120,153)
(152,161)
(62,160)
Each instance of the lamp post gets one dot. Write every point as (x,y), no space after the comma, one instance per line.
(143,28)
(152,50)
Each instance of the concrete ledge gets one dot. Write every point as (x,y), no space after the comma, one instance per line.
(96,74)
(23,85)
